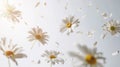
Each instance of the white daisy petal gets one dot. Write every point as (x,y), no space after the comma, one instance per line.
(115,53)
(20,55)
(76,55)
(99,65)
(13,59)
(84,49)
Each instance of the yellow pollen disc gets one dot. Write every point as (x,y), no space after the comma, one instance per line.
(9,53)
(68,25)
(9,9)
(112,28)
(38,36)
(90,59)
(52,56)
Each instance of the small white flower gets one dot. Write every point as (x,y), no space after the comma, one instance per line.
(38,34)
(11,51)
(68,24)
(53,57)
(113,27)
(89,57)
(11,13)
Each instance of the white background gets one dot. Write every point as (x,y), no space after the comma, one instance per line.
(53,13)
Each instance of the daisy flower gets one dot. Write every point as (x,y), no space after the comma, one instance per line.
(53,57)
(69,23)
(90,57)
(113,27)
(11,13)
(11,51)
(36,34)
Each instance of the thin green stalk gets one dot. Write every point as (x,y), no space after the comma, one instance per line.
(9,62)
(51,64)
(33,45)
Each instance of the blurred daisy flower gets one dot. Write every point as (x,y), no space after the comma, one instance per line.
(69,23)
(11,13)
(113,27)
(11,51)
(53,57)
(89,57)
(36,34)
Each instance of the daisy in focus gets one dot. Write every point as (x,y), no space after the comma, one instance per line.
(113,27)
(11,51)
(11,13)
(89,57)
(69,23)
(52,57)
(36,34)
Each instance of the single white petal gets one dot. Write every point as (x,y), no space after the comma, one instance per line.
(20,55)
(99,65)
(37,4)
(84,49)
(14,60)
(76,56)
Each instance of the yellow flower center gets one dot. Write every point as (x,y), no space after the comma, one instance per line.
(112,28)
(68,25)
(52,56)
(38,36)
(9,9)
(90,59)
(9,53)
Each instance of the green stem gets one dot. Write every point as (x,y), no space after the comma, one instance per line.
(33,45)
(9,62)
(51,64)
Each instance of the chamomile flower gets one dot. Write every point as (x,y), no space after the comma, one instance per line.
(113,27)
(53,57)
(89,57)
(11,51)
(69,23)
(36,34)
(11,13)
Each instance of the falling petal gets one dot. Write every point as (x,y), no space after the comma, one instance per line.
(106,16)
(97,9)
(57,43)
(103,35)
(115,53)
(13,59)
(79,9)
(38,62)
(83,17)
(76,55)
(20,55)
(45,3)
(66,5)
(37,4)
(90,33)
(90,4)
(79,32)
(110,15)
(95,43)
